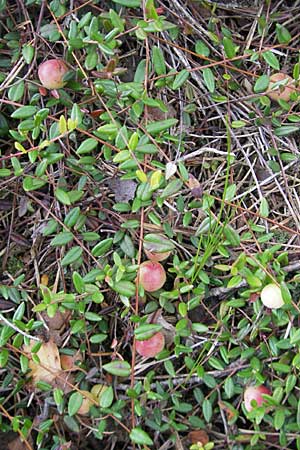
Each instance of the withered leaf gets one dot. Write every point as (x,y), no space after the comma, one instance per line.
(124,190)
(198,436)
(49,366)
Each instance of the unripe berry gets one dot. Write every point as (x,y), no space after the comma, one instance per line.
(151,347)
(281,92)
(151,275)
(51,73)
(255,393)
(271,296)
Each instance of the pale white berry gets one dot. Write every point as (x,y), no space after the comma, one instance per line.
(271,296)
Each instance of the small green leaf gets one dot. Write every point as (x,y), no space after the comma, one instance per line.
(24,112)
(139,436)
(31,184)
(126,288)
(209,79)
(231,235)
(271,59)
(16,92)
(162,125)
(90,236)
(264,208)
(4,354)
(102,247)
(180,79)
(106,398)
(202,48)
(285,130)
(279,419)
(290,382)
(118,367)
(75,401)
(207,410)
(92,317)
(62,239)
(140,73)
(128,3)
(72,217)
(72,256)
(158,61)
(283,34)
(109,129)
(71,424)
(234,281)
(157,243)
(5,172)
(261,84)
(229,47)
(62,125)
(238,123)
(285,292)
(62,196)
(28,53)
(295,336)
(172,188)
(230,192)
(146,331)
(78,282)
(87,146)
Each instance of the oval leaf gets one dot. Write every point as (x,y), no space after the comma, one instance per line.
(72,256)
(102,247)
(118,368)
(139,436)
(75,401)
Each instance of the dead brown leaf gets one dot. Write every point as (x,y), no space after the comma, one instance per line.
(49,366)
(57,321)
(124,190)
(198,436)
(16,444)
(229,413)
(195,186)
(158,114)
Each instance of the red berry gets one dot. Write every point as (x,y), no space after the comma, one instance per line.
(255,393)
(152,276)
(51,73)
(151,347)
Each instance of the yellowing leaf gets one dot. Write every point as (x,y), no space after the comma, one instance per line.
(20,147)
(155,179)
(62,125)
(141,176)
(72,124)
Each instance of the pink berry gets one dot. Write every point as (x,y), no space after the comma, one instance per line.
(151,347)
(255,393)
(281,92)
(152,276)
(51,73)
